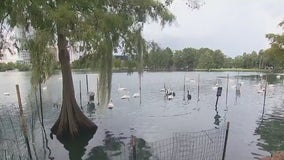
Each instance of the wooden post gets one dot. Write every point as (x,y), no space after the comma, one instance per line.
(40,102)
(264,97)
(98,95)
(133,145)
(184,88)
(227,90)
(5,154)
(23,122)
(198,88)
(226,140)
(80,95)
(87,84)
(140,87)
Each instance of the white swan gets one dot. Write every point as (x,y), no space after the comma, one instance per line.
(6,93)
(110,105)
(170,97)
(44,88)
(126,96)
(261,90)
(121,88)
(136,95)
(278,76)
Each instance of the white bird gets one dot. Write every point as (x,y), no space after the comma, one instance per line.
(136,95)
(44,88)
(126,96)
(6,94)
(278,76)
(192,80)
(261,90)
(110,105)
(121,88)
(170,97)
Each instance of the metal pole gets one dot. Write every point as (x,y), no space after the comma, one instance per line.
(226,140)
(184,88)
(80,95)
(264,98)
(133,140)
(216,102)
(87,83)
(198,87)
(40,102)
(23,125)
(227,89)
(98,95)
(140,87)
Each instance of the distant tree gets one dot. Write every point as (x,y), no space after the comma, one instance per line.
(206,60)
(218,59)
(228,62)
(276,50)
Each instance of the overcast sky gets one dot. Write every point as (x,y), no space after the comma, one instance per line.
(233,26)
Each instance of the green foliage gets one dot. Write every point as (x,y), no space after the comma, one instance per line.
(275,54)
(42,59)
(12,66)
(23,67)
(117,63)
(160,59)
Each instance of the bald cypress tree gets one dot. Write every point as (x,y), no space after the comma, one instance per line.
(101,26)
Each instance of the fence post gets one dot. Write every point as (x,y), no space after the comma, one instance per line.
(98,93)
(198,88)
(133,145)
(226,139)
(87,83)
(80,95)
(5,154)
(23,125)
(227,90)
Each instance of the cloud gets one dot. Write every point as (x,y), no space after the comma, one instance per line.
(233,26)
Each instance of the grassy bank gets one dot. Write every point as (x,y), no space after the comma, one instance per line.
(233,70)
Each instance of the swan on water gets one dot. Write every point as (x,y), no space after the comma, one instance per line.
(110,105)
(121,88)
(136,95)
(6,93)
(126,96)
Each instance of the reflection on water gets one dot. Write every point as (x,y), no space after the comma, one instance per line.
(156,118)
(217,117)
(76,147)
(112,147)
(271,130)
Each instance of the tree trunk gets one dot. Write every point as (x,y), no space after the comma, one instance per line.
(105,73)
(71,122)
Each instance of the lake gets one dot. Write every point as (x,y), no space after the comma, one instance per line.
(252,134)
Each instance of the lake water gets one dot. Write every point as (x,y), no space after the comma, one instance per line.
(252,134)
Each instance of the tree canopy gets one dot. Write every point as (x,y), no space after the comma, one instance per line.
(100,26)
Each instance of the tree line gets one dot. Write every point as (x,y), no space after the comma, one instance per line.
(165,59)
(12,66)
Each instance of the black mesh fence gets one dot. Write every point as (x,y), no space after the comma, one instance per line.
(11,138)
(204,145)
